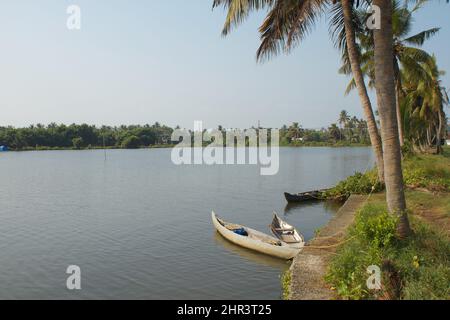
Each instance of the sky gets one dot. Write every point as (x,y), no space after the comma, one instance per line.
(142,61)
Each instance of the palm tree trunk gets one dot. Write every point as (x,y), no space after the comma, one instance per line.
(398,93)
(385,87)
(439,134)
(361,86)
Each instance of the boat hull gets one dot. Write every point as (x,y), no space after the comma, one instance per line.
(283,252)
(302,197)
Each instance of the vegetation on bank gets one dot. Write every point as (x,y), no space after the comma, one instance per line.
(347,131)
(415,268)
(60,136)
(350,132)
(431,172)
(425,171)
(285,284)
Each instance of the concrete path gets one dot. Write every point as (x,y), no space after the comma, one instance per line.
(310,266)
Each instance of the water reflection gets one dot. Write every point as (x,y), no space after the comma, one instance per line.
(250,255)
(329,205)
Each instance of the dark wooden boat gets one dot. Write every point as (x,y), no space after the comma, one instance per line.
(304,196)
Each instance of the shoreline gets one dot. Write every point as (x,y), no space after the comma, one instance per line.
(307,271)
(171,147)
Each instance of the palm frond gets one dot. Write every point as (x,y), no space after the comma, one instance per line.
(420,38)
(238,11)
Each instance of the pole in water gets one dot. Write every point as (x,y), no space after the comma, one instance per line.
(104,146)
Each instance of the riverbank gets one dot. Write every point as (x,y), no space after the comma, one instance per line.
(170,146)
(309,268)
(416,268)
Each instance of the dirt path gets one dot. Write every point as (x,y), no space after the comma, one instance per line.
(309,267)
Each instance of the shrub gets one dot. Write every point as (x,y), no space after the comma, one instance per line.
(375,226)
(422,262)
(77,142)
(285,284)
(131,142)
(357,184)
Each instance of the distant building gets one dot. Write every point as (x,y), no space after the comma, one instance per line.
(3,148)
(448,142)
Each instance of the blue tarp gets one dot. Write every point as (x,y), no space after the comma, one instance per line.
(3,148)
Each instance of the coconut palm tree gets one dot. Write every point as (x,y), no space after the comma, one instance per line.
(345,29)
(343,118)
(287,23)
(334,132)
(385,88)
(407,53)
(295,131)
(424,105)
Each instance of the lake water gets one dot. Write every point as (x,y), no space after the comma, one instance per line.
(139,227)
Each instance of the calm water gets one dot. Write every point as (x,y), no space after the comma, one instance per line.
(139,227)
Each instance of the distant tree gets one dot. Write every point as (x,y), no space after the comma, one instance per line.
(77,143)
(334,132)
(131,142)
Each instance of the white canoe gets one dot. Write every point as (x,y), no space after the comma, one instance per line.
(254,240)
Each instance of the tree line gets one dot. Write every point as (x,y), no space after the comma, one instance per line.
(83,136)
(347,130)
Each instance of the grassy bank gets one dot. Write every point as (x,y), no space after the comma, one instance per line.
(423,172)
(416,268)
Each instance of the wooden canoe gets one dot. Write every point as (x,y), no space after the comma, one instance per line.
(254,240)
(304,196)
(286,233)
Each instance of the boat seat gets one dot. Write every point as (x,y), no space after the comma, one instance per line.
(284,229)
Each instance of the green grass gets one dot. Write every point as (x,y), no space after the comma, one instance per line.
(422,262)
(428,171)
(285,284)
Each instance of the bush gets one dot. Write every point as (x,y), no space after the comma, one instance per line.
(357,184)
(131,142)
(285,284)
(376,226)
(77,143)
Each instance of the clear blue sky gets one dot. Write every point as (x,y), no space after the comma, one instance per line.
(141,61)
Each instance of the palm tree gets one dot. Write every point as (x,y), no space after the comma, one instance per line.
(295,131)
(334,132)
(424,104)
(287,23)
(385,88)
(349,47)
(406,51)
